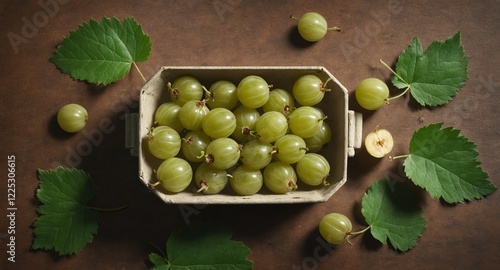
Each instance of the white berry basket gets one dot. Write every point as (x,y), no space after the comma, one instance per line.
(346,126)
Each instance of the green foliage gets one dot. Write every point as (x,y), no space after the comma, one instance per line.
(65,223)
(102,52)
(435,76)
(445,164)
(391,209)
(203,246)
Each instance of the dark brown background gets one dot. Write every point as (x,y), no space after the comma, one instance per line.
(259,33)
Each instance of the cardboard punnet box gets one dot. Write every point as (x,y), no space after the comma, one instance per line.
(346,126)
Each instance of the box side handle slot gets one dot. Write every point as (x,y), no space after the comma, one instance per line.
(355,132)
(132,133)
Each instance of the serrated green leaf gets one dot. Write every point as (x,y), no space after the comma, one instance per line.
(436,76)
(444,163)
(391,209)
(65,223)
(205,246)
(102,52)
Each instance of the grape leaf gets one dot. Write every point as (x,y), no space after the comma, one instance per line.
(203,246)
(102,52)
(445,164)
(435,76)
(392,211)
(65,223)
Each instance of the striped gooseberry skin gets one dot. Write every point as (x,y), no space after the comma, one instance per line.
(72,117)
(219,123)
(372,93)
(192,113)
(222,153)
(246,181)
(312,26)
(313,169)
(309,90)
(174,174)
(280,178)
(335,228)
(164,142)
(184,89)
(253,91)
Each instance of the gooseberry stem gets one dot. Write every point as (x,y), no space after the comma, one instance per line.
(138,70)
(323,86)
(325,182)
(335,28)
(202,154)
(209,94)
(361,231)
(348,235)
(356,233)
(203,186)
(153,185)
(398,157)
(400,95)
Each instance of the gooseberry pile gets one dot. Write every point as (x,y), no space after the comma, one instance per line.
(245,136)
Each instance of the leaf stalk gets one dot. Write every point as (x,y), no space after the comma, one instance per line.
(393,72)
(138,70)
